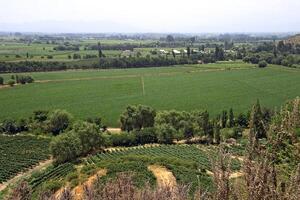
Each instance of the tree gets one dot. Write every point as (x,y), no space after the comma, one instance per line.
(65,147)
(170,38)
(219,53)
(188,50)
(205,123)
(173,53)
(165,134)
(217,133)
(224,119)
(89,135)
(242,120)
(187,129)
(137,117)
(1,80)
(146,136)
(58,121)
(256,125)
(100,54)
(231,118)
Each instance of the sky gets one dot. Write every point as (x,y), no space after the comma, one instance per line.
(180,16)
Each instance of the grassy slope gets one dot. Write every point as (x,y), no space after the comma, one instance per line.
(183,90)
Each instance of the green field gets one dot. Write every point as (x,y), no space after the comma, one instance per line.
(106,93)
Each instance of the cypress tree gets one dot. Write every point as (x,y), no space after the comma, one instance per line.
(217,135)
(231,118)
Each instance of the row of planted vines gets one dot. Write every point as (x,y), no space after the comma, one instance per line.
(19,153)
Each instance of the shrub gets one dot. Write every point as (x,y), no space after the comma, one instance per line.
(11,82)
(21,192)
(9,126)
(65,147)
(262,64)
(40,115)
(227,133)
(123,139)
(58,121)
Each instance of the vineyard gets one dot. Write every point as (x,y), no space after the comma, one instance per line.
(188,163)
(18,153)
(51,173)
(182,152)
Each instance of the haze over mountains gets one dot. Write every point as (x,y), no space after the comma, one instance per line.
(192,16)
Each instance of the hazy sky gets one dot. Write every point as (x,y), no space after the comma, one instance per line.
(151,15)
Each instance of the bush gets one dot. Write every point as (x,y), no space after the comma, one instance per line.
(227,133)
(11,82)
(65,147)
(58,121)
(262,64)
(1,80)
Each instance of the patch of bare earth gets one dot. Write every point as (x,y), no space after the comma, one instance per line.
(164,177)
(15,179)
(231,176)
(114,130)
(78,191)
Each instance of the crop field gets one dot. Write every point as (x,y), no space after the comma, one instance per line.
(188,163)
(106,93)
(18,153)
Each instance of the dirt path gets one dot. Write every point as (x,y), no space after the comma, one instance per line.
(163,176)
(78,191)
(236,175)
(38,167)
(231,176)
(114,130)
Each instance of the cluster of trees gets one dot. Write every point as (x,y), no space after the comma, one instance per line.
(19,79)
(285,54)
(102,63)
(67,48)
(269,58)
(122,46)
(22,79)
(31,66)
(167,126)
(135,62)
(141,125)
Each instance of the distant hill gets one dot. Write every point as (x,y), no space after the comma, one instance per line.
(294,39)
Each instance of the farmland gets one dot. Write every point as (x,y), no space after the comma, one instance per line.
(189,164)
(18,153)
(106,93)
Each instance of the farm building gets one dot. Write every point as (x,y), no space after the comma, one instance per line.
(176,51)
